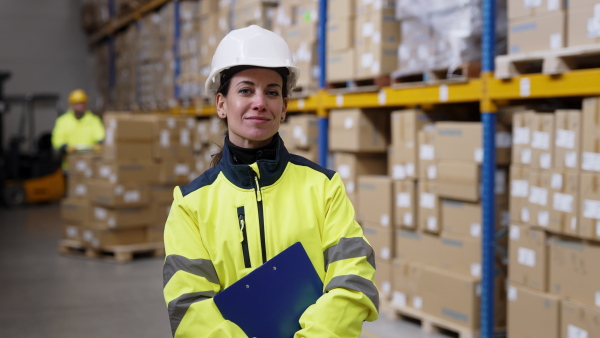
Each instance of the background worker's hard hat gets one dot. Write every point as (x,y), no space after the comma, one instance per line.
(77,96)
(251,46)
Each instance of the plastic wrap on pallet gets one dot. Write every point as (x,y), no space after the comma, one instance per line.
(442,34)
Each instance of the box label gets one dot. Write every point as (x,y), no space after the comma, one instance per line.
(432,223)
(432,172)
(519,188)
(543,218)
(398,172)
(403,200)
(418,303)
(565,138)
(556,181)
(552,5)
(575,332)
(385,253)
(426,152)
(384,220)
(541,140)
(475,269)
(100,213)
(538,196)
(571,159)
(131,196)
(428,200)
(525,214)
(344,171)
(503,139)
(591,209)
(590,161)
(476,230)
(545,160)
(399,299)
(408,219)
(526,257)
(556,41)
(72,233)
(521,135)
(515,233)
(410,169)
(563,202)
(526,156)
(512,293)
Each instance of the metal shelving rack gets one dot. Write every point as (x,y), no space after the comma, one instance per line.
(487,90)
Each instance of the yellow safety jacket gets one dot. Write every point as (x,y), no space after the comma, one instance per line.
(233,218)
(83,132)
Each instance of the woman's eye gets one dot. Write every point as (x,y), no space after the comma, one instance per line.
(273,93)
(244,91)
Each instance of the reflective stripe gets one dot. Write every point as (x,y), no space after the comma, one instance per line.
(356,283)
(199,267)
(349,248)
(179,306)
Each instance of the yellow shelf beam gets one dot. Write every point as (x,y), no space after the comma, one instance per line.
(535,86)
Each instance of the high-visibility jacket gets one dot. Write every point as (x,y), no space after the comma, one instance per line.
(83,132)
(233,218)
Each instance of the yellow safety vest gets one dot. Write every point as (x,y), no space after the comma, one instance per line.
(233,218)
(78,133)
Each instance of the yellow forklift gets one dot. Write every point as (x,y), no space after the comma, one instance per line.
(33,175)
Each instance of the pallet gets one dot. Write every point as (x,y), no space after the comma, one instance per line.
(436,76)
(359,86)
(552,62)
(116,253)
(431,324)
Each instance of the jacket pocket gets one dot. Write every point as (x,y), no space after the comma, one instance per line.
(242,222)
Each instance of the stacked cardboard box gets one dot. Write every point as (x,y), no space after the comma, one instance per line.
(189,49)
(123,195)
(214,24)
(341,33)
(359,141)
(94,14)
(101,71)
(150,62)
(300,135)
(253,12)
(553,233)
(125,92)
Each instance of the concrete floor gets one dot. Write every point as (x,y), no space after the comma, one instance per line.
(44,294)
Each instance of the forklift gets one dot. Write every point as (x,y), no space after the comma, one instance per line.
(35,175)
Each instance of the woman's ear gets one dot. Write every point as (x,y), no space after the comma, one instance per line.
(221,104)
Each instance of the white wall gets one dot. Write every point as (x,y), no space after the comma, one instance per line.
(42,44)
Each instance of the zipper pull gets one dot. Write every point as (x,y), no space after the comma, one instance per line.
(258,191)
(242,225)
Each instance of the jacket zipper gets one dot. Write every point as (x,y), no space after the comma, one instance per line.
(261,219)
(242,221)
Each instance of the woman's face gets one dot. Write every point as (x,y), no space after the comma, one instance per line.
(254,107)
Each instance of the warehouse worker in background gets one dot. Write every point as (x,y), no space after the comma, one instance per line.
(257,200)
(78,128)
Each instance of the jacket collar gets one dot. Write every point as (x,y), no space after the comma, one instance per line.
(242,175)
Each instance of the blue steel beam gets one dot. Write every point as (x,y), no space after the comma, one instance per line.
(323,119)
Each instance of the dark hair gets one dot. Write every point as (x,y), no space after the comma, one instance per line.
(225,82)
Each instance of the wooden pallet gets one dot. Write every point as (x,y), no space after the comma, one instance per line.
(553,62)
(116,253)
(437,76)
(359,86)
(431,324)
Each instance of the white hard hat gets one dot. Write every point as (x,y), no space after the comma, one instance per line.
(251,46)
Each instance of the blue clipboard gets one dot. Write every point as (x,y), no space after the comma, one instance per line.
(269,301)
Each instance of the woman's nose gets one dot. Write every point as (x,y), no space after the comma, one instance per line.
(259,101)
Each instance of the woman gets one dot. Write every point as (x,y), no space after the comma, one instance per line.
(257,201)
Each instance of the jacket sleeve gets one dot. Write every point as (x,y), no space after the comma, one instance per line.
(190,280)
(351,296)
(58,134)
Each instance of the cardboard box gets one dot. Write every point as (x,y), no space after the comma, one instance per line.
(461,180)
(363,7)
(459,255)
(376,196)
(574,270)
(426,165)
(562,211)
(340,33)
(339,9)
(358,130)
(519,194)
(583,23)
(340,65)
(77,187)
(523,123)
(127,171)
(120,128)
(311,154)
(589,217)
(381,239)
(405,207)
(539,200)
(161,213)
(121,195)
(416,247)
(350,166)
(383,278)
(543,32)
(405,127)
(532,313)
(590,140)
(463,141)
(176,171)
(128,151)
(518,9)
(155,234)
(449,296)
(578,320)
(162,194)
(208,7)
(528,257)
(405,280)
(74,211)
(104,218)
(567,145)
(104,239)
(542,141)
(377,44)
(81,164)
(305,132)
(465,218)
(429,208)
(72,232)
